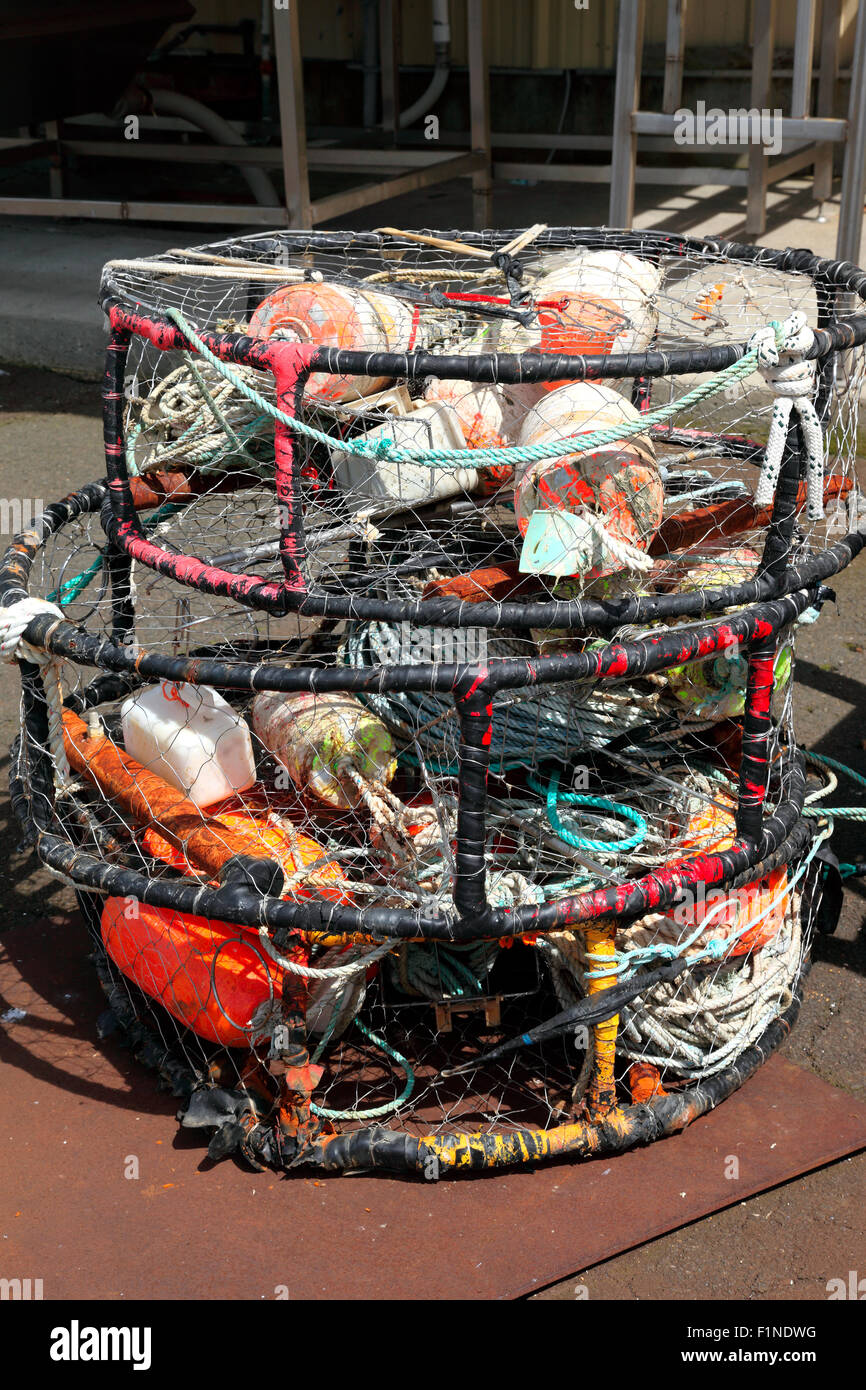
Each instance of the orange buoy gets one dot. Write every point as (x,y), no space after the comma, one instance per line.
(765,902)
(593,303)
(580,324)
(252,833)
(341,317)
(617,484)
(210,976)
(645,1083)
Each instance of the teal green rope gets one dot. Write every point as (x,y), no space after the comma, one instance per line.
(553,796)
(379,1110)
(832,812)
(457,458)
(838,767)
(455,976)
(71,588)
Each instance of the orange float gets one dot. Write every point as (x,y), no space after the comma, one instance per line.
(713,829)
(582,325)
(341,317)
(618,483)
(210,976)
(250,832)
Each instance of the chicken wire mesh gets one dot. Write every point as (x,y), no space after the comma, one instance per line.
(436,802)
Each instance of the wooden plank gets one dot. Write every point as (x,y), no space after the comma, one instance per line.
(854,171)
(675,42)
(826,104)
(763,30)
(389,59)
(338,204)
(805,128)
(804,41)
(479,104)
(626,101)
(293,130)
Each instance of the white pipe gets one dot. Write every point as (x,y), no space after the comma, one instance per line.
(176,104)
(441,67)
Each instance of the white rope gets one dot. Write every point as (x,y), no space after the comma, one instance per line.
(232,271)
(14,622)
(331,972)
(627,555)
(699,1026)
(792,380)
(192,415)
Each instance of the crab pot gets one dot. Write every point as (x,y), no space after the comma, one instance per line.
(413,704)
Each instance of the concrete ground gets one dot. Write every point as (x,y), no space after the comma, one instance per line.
(785,1243)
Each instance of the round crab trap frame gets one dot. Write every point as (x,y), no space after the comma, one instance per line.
(411,706)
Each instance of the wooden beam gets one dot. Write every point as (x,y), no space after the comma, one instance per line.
(626,100)
(763,39)
(293,129)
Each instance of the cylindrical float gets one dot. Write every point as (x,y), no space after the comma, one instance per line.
(618,483)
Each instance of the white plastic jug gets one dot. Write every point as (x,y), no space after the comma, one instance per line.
(431,425)
(192,737)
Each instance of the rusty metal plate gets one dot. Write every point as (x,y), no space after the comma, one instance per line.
(77,1111)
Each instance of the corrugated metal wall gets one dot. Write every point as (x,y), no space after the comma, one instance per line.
(528,33)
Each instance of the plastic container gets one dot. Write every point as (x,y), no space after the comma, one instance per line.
(319,738)
(191,737)
(432,424)
(338,316)
(619,483)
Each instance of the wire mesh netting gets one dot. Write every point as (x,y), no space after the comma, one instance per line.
(415,708)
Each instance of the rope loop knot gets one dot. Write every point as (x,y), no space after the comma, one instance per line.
(14,622)
(779,351)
